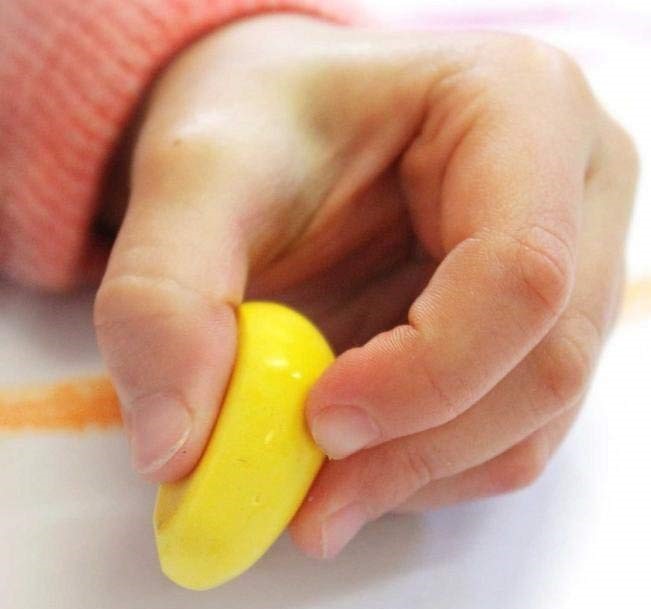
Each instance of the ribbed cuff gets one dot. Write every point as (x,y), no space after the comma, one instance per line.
(71,76)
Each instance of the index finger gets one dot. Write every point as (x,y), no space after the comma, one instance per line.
(510,200)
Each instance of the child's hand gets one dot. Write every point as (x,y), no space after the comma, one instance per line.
(450,209)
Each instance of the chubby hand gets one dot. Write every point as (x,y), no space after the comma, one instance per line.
(450,209)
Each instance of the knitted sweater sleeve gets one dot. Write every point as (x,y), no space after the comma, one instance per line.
(71,75)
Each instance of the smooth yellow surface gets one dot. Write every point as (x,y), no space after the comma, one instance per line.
(260,461)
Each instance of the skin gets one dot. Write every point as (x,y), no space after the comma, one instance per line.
(450,209)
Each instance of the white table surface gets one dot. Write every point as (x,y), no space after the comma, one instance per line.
(75,527)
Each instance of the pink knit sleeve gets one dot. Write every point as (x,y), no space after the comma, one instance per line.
(71,74)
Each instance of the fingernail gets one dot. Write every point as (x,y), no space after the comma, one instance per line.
(343,430)
(159,427)
(340,528)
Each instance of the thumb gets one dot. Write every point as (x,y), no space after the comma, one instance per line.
(165,312)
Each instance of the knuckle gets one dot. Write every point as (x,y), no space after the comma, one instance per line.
(106,302)
(416,467)
(153,332)
(615,164)
(560,61)
(446,396)
(565,372)
(445,408)
(132,298)
(536,56)
(544,58)
(520,467)
(550,71)
(544,264)
(568,361)
(118,304)
(534,51)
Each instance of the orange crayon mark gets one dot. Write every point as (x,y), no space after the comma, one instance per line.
(71,405)
(637,300)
